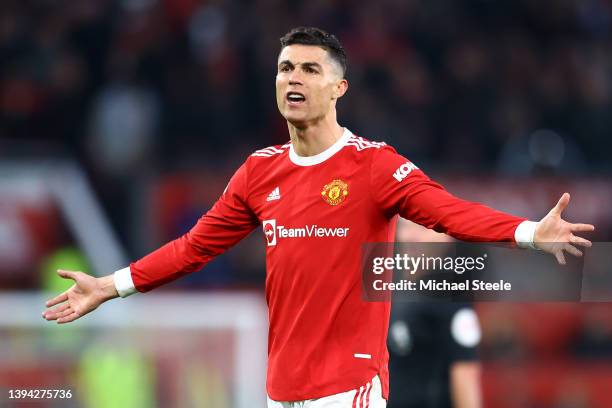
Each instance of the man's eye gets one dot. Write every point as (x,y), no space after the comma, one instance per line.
(310,70)
(284,68)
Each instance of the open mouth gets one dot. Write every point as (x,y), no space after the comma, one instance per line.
(295,98)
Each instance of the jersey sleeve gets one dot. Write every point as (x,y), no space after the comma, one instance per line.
(400,187)
(226,223)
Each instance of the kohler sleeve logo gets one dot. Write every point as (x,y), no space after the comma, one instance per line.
(403,171)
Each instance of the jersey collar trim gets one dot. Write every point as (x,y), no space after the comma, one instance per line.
(324,155)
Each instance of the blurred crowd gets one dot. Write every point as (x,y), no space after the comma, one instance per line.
(516,86)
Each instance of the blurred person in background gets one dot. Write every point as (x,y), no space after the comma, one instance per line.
(594,340)
(326,192)
(433,360)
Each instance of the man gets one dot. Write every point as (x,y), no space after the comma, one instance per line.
(318,198)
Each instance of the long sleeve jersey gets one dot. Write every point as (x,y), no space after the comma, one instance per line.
(315,213)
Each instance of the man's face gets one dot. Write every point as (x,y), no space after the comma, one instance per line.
(308,83)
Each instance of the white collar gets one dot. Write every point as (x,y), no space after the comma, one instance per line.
(324,155)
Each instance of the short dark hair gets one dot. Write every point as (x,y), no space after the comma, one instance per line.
(318,37)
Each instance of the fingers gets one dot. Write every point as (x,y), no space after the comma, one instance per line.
(580,241)
(561,204)
(65,313)
(58,299)
(582,227)
(560,257)
(63,296)
(69,318)
(56,312)
(572,250)
(67,274)
(569,248)
(49,316)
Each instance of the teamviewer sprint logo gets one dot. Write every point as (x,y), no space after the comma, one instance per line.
(269,229)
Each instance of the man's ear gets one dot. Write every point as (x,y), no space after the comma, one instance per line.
(340,88)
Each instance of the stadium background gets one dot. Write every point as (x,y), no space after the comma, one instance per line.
(149,105)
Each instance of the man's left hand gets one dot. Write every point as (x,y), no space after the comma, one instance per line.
(555,235)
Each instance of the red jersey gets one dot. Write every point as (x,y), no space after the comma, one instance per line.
(315,214)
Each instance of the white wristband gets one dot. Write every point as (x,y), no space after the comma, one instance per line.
(123,282)
(524,234)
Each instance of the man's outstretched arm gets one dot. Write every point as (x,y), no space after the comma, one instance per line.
(84,296)
(401,188)
(227,222)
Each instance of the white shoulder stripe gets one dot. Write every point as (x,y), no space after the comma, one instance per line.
(361,143)
(361,146)
(366,142)
(270,151)
(361,139)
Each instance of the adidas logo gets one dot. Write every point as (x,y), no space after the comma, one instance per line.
(274,195)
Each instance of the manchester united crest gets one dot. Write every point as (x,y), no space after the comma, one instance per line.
(335,192)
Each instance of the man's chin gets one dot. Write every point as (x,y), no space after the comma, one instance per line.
(298,121)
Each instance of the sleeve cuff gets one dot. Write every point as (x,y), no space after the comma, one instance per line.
(524,234)
(123,282)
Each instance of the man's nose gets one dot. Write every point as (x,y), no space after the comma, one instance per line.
(295,78)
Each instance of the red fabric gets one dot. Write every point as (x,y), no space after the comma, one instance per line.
(318,320)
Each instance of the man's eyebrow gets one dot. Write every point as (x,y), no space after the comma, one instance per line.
(312,64)
(305,64)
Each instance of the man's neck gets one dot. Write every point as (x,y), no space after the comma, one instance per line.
(312,140)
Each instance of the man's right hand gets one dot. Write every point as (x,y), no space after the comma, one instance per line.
(85,295)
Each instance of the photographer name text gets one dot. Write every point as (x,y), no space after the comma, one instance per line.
(434,285)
